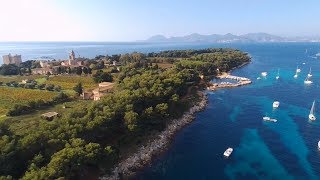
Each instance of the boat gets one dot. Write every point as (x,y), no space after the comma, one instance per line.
(278,75)
(319,144)
(312,117)
(296,75)
(266,118)
(258,78)
(228,152)
(309,74)
(298,69)
(276,104)
(307,80)
(264,74)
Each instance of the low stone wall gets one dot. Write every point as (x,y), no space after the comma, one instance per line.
(144,155)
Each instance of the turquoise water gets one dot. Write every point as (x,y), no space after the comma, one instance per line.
(286,149)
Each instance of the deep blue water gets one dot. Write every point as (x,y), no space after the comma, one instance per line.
(286,149)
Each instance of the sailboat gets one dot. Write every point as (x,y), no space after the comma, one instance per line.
(307,80)
(309,74)
(278,75)
(298,69)
(312,117)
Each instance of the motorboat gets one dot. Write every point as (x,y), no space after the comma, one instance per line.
(312,117)
(276,104)
(228,152)
(266,118)
(264,74)
(319,144)
(258,78)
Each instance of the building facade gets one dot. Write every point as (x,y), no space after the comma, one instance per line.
(9,59)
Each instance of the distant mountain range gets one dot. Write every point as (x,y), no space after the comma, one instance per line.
(230,38)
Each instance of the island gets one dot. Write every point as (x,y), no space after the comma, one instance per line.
(51,127)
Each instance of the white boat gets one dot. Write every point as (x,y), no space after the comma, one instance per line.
(278,75)
(309,74)
(312,117)
(228,152)
(307,81)
(298,69)
(276,104)
(258,78)
(296,75)
(266,118)
(319,144)
(264,74)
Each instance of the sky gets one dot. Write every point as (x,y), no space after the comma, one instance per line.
(130,20)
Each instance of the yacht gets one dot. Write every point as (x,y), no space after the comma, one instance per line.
(307,80)
(276,104)
(312,117)
(298,69)
(228,152)
(266,118)
(264,74)
(309,74)
(278,75)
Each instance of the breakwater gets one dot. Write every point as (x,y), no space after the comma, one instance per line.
(128,167)
(241,81)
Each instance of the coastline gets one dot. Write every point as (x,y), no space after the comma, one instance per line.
(128,167)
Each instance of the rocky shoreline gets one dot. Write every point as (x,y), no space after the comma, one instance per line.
(128,167)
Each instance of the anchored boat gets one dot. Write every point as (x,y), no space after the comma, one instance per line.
(228,152)
(312,117)
(276,104)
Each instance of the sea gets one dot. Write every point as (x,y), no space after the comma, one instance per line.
(286,149)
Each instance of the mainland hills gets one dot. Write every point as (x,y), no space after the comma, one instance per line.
(231,38)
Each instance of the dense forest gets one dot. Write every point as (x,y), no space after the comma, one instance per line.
(92,136)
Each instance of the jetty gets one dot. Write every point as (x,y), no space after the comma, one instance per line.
(241,81)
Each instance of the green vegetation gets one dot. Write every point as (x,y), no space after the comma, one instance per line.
(93,135)
(101,76)
(19,96)
(68,82)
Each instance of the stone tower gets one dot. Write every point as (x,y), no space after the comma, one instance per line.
(72,58)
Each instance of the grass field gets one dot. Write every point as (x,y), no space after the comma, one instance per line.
(68,82)
(11,96)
